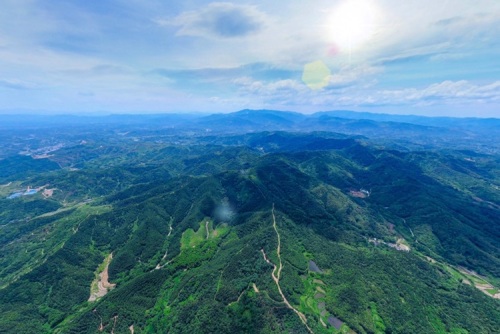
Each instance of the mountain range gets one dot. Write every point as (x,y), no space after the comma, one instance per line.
(250,222)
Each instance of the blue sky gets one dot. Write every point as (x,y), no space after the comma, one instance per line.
(129,56)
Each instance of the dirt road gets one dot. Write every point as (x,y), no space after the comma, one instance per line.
(276,274)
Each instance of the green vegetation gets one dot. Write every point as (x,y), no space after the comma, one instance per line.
(377,320)
(188,220)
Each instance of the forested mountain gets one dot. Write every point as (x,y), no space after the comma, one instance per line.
(251,222)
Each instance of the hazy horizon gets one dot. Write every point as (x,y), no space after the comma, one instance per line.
(129,57)
(208,113)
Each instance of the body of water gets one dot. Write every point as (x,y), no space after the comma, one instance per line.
(22,193)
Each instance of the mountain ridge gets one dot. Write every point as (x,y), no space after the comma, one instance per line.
(197,223)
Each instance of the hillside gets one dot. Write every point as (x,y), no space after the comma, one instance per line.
(256,226)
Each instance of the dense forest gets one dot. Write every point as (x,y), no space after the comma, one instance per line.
(142,228)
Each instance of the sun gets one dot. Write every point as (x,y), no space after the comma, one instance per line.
(352,24)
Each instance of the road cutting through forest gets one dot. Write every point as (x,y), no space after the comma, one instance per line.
(276,273)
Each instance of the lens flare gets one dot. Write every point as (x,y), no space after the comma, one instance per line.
(316,75)
(352,24)
(224,212)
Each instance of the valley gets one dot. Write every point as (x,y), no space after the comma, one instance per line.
(139,227)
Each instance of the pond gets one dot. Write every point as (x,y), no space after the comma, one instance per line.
(22,193)
(314,267)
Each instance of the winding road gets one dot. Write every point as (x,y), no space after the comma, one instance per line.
(276,274)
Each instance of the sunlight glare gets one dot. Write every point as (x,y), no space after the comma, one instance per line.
(352,24)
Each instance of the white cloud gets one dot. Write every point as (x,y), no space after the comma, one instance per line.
(296,93)
(423,28)
(79,46)
(276,90)
(361,74)
(446,93)
(219,19)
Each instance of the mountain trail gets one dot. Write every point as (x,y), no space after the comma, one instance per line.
(170,229)
(276,273)
(114,324)
(101,326)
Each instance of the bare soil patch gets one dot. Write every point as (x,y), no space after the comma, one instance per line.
(103,285)
(319,296)
(317,281)
(357,194)
(484,286)
(48,192)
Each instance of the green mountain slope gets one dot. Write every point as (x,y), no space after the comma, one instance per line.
(323,235)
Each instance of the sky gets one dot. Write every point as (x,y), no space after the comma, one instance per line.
(422,57)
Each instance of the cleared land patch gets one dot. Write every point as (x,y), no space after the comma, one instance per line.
(191,239)
(480,283)
(100,285)
(314,300)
